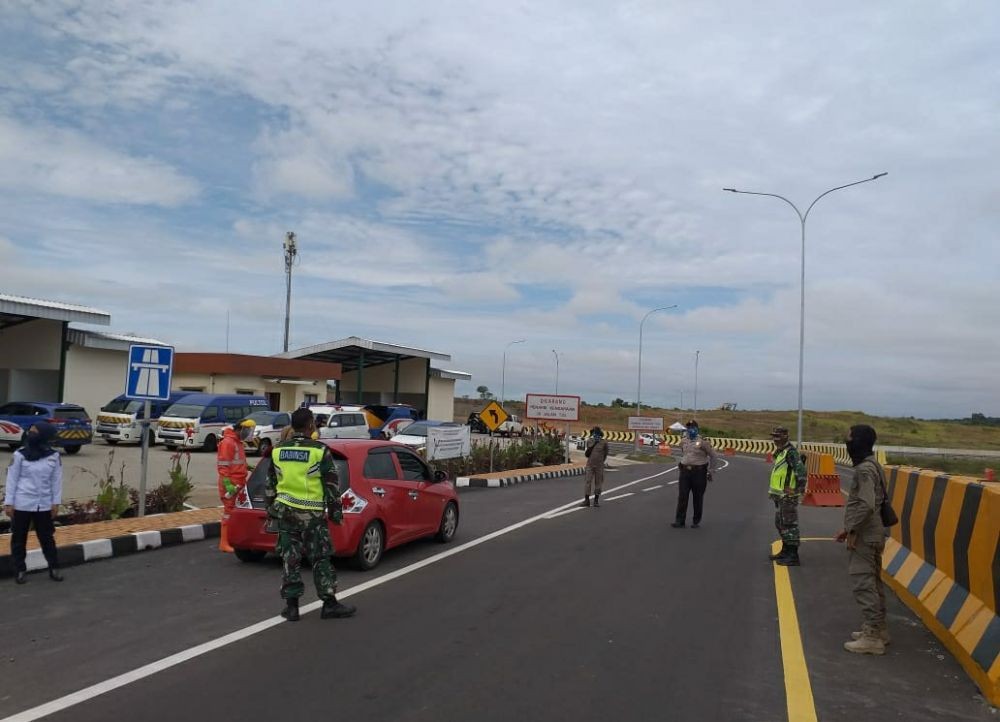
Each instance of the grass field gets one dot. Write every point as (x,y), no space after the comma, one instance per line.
(958,465)
(824,426)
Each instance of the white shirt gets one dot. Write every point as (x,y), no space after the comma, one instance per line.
(33,485)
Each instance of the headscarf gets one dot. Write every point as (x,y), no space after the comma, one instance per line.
(862,443)
(38,445)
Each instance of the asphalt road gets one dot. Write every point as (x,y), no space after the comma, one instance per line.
(584,615)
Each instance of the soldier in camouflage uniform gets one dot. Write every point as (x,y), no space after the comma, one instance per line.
(302,490)
(865,537)
(788,481)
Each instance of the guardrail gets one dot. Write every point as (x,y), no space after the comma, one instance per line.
(943,561)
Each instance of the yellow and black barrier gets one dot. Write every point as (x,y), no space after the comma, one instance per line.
(943,561)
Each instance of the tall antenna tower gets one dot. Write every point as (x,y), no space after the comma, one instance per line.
(291,251)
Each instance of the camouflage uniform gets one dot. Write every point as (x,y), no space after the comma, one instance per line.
(861,518)
(786,504)
(304,533)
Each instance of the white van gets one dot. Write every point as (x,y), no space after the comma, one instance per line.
(199,420)
(341,422)
(120,420)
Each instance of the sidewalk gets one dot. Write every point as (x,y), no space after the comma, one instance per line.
(79,543)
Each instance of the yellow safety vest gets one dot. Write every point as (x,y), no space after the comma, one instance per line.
(782,473)
(300,481)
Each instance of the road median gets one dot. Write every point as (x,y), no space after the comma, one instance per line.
(519,476)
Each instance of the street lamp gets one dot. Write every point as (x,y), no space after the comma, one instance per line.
(556,354)
(638,390)
(697,354)
(503,372)
(802,306)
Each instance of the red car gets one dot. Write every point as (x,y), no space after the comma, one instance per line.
(390,497)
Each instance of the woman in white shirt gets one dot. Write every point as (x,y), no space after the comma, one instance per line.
(34,490)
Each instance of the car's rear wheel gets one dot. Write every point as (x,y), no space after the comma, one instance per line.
(73,449)
(449,523)
(370,548)
(211,443)
(250,555)
(265,447)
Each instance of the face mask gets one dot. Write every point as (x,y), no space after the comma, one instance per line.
(857,451)
(692,433)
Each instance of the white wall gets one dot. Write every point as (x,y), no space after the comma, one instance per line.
(441,404)
(30,354)
(94,377)
(292,395)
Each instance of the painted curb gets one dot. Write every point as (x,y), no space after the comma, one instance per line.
(477,482)
(89,551)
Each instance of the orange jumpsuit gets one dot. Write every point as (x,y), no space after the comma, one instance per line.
(232,465)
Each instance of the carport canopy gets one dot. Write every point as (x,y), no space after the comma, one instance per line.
(15,310)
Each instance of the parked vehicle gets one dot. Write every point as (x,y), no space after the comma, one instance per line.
(648,440)
(476,424)
(511,427)
(390,497)
(341,422)
(197,420)
(267,430)
(384,422)
(11,434)
(121,419)
(73,426)
(415,435)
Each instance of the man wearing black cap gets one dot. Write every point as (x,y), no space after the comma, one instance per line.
(696,453)
(788,481)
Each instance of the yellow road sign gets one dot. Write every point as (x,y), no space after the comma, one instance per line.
(493,415)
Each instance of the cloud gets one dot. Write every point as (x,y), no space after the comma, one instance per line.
(62,162)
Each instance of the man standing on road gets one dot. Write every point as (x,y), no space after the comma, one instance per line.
(302,490)
(865,537)
(231,463)
(788,480)
(596,453)
(696,453)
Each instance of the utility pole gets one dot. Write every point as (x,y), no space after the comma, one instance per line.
(291,251)
(697,354)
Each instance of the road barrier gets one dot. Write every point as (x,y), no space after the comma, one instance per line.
(822,482)
(943,561)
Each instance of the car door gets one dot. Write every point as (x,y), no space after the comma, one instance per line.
(391,495)
(427,506)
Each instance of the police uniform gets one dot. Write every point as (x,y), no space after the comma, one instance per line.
(696,453)
(787,484)
(302,490)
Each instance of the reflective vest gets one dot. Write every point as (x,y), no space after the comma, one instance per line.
(297,465)
(782,474)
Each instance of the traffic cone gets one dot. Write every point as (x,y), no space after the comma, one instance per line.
(769,458)
(224,545)
(990,475)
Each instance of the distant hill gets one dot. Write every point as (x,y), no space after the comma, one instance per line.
(974,433)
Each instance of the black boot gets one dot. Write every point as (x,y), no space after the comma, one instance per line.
(21,578)
(332,609)
(291,610)
(597,499)
(791,558)
(779,555)
(586,501)
(55,576)
(678,525)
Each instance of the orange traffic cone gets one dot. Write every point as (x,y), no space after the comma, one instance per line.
(991,475)
(224,535)
(769,458)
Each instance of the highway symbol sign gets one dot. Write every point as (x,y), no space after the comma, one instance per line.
(493,416)
(150,372)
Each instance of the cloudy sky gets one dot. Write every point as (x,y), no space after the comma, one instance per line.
(461,175)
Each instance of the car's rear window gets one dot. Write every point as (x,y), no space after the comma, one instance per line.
(258,480)
(77,413)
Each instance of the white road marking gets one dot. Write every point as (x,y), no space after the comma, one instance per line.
(567,511)
(620,496)
(148,670)
(652,488)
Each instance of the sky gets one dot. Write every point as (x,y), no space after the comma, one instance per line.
(460,175)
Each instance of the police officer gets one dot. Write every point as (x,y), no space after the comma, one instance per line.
(788,481)
(865,536)
(302,491)
(231,464)
(696,453)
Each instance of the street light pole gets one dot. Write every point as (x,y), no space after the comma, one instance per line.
(802,301)
(556,354)
(638,388)
(697,354)
(291,251)
(503,371)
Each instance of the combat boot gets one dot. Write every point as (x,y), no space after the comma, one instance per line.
(291,610)
(882,634)
(597,499)
(790,559)
(868,643)
(779,555)
(586,501)
(332,609)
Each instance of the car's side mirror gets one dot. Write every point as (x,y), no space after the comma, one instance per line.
(440,476)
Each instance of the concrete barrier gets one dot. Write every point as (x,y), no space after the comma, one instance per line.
(943,561)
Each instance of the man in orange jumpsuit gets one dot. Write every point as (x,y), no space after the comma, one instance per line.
(231,461)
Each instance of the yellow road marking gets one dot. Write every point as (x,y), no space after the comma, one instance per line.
(798,690)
